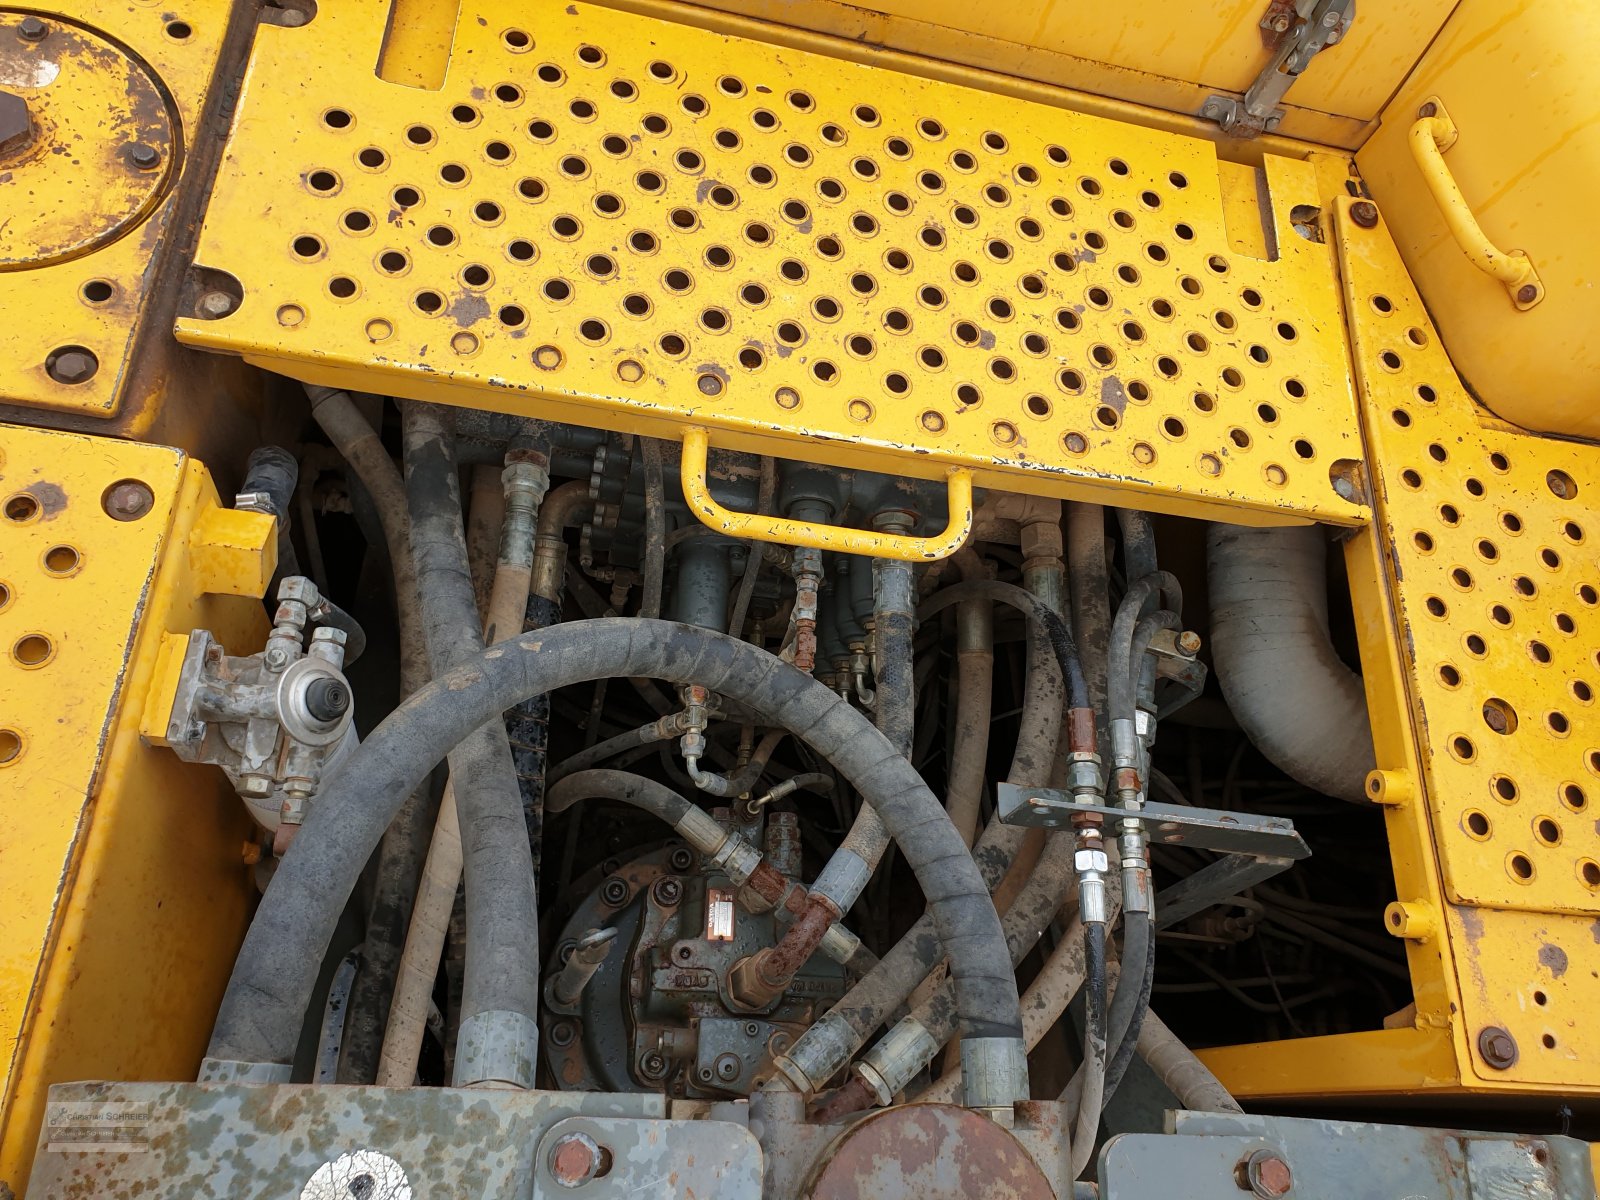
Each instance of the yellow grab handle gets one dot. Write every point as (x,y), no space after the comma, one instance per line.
(1431,136)
(754,526)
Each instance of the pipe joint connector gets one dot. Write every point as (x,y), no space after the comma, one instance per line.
(499,1048)
(897,1058)
(994,1076)
(842,879)
(818,1055)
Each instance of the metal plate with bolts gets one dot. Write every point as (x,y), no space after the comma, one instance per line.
(591,222)
(183,1140)
(1222,1156)
(97,115)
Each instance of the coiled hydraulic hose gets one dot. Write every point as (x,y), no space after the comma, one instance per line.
(274,976)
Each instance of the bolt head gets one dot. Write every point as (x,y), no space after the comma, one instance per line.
(563,1034)
(144,157)
(71,366)
(1280,23)
(32,29)
(216,304)
(1498,1047)
(1527,293)
(256,787)
(1267,1175)
(1189,642)
(16,124)
(1364,213)
(276,658)
(667,891)
(128,500)
(1430,109)
(1211,108)
(575,1159)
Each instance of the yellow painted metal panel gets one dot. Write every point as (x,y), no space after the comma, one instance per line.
(596,222)
(1495,597)
(1170,54)
(87,218)
(1518,83)
(122,893)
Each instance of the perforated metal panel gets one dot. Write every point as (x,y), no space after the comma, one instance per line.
(1496,582)
(610,219)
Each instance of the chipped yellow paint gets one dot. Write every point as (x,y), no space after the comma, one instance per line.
(593,221)
(122,893)
(85,220)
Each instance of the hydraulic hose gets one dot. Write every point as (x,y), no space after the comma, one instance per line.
(1131,998)
(274,976)
(400,866)
(1091,612)
(974,701)
(744,778)
(654,569)
(499,1007)
(832,1041)
(1055,626)
(1291,693)
(1094,1047)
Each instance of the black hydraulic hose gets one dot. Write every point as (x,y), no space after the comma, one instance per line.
(752,566)
(502,919)
(1089,579)
(1138,546)
(1055,626)
(273,472)
(645,735)
(1121,683)
(647,795)
(654,569)
(272,981)
(1128,1044)
(884,988)
(1094,1047)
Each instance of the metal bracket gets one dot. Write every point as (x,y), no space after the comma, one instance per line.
(1254,847)
(1322,23)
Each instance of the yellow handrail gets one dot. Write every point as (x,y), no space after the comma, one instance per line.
(1430,137)
(754,526)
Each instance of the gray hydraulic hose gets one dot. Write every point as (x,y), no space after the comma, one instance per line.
(646,795)
(1291,693)
(500,1001)
(259,1021)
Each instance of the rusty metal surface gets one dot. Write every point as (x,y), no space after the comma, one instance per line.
(930,1152)
(155,1141)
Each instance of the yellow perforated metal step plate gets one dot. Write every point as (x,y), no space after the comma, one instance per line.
(613,220)
(1497,584)
(1493,575)
(89,186)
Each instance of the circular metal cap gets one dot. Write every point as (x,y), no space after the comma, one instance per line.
(100,149)
(932,1152)
(327,698)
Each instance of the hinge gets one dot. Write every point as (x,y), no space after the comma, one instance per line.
(1305,27)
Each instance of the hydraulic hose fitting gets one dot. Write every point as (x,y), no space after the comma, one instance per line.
(896,1059)
(1090,863)
(806,567)
(587,955)
(695,716)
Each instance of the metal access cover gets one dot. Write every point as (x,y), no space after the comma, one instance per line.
(1492,534)
(617,221)
(95,117)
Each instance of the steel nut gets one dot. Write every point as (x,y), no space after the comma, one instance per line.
(1265,1174)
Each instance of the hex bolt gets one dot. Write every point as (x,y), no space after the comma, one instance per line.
(667,891)
(681,859)
(1527,293)
(1498,1047)
(615,892)
(16,123)
(32,29)
(1189,642)
(216,304)
(71,365)
(728,1067)
(575,1159)
(1265,1174)
(276,658)
(128,500)
(1364,213)
(1430,109)
(144,157)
